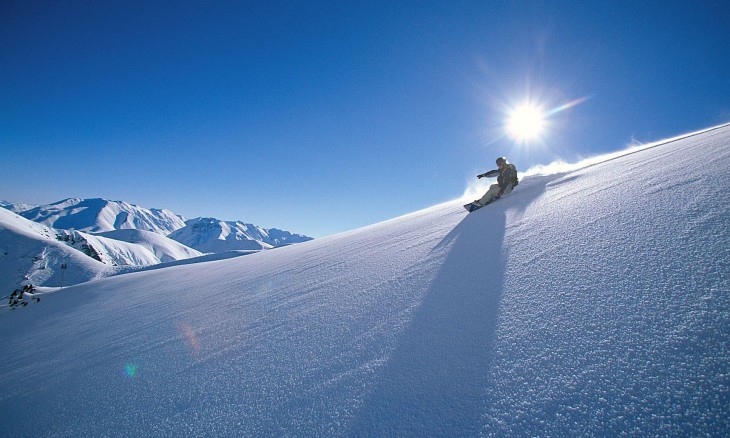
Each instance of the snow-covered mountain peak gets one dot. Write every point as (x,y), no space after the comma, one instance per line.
(213,235)
(16,207)
(100,215)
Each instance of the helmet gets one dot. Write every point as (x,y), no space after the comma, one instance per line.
(501,160)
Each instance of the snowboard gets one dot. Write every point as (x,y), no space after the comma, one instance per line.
(473,206)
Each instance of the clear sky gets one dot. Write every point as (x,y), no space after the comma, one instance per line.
(319,117)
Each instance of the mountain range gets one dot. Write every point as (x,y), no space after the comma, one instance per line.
(99,215)
(117,237)
(213,235)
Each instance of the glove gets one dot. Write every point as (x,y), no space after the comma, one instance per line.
(480,176)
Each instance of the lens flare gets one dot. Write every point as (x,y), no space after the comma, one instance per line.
(571,104)
(130,369)
(190,337)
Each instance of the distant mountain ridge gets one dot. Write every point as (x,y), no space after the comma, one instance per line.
(213,235)
(115,236)
(98,215)
(16,207)
(209,235)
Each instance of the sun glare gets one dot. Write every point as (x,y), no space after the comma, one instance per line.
(526,123)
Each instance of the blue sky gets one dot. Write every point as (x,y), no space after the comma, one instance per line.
(320,117)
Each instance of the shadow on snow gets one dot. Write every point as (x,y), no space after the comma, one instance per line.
(436,381)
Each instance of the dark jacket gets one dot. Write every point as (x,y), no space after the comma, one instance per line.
(505,177)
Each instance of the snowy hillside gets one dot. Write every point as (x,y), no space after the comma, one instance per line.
(99,215)
(162,249)
(593,302)
(210,235)
(31,253)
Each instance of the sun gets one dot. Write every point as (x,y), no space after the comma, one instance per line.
(525,123)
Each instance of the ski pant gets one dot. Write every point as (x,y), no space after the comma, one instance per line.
(492,193)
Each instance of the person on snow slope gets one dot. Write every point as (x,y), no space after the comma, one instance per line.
(506,181)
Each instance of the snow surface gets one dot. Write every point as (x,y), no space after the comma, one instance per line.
(591,302)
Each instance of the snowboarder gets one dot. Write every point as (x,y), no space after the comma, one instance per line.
(506,181)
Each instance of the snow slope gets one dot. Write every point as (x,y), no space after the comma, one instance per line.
(212,235)
(593,302)
(30,253)
(163,249)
